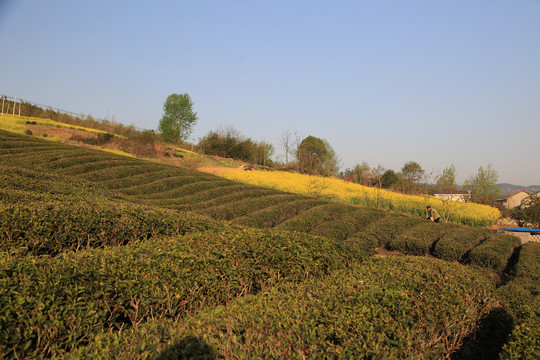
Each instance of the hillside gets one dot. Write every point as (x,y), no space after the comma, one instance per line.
(189,263)
(508,189)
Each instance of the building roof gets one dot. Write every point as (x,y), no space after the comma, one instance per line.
(452,192)
(514,194)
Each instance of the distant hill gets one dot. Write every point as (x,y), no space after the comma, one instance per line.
(507,189)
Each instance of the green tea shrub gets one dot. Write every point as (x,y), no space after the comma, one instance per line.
(54,227)
(419,239)
(126,177)
(275,215)
(524,342)
(382,231)
(80,158)
(82,169)
(242,205)
(309,219)
(528,264)
(494,252)
(234,195)
(396,308)
(521,296)
(455,244)
(51,305)
(158,186)
(348,222)
(195,190)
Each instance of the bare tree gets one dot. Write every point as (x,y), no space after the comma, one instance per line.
(286,141)
(378,172)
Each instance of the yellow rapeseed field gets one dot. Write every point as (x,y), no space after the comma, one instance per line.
(355,194)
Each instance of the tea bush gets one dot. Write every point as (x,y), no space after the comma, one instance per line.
(494,252)
(309,219)
(521,296)
(419,239)
(396,308)
(453,246)
(383,230)
(50,305)
(128,177)
(275,215)
(528,264)
(233,195)
(51,228)
(349,222)
(195,190)
(241,205)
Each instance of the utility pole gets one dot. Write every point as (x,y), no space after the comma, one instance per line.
(20,104)
(14,103)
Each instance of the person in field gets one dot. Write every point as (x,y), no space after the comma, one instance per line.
(432,214)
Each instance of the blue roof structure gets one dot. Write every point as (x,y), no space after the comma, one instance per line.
(521,229)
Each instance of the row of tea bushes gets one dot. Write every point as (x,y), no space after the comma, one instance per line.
(53,227)
(51,305)
(494,252)
(419,239)
(521,296)
(396,308)
(183,189)
(48,214)
(272,216)
(455,245)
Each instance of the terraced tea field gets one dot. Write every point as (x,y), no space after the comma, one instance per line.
(104,254)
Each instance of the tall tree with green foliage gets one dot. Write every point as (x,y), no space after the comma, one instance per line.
(447,181)
(178,118)
(389,178)
(483,186)
(413,173)
(315,156)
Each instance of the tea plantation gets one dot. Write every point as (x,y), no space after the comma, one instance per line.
(105,256)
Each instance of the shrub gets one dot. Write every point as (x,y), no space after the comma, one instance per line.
(348,222)
(419,239)
(51,305)
(243,206)
(50,228)
(382,231)
(528,264)
(454,245)
(398,308)
(494,252)
(275,215)
(309,219)
(521,296)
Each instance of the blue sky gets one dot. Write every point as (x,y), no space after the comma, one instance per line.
(438,82)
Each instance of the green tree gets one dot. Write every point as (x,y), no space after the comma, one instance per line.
(315,156)
(178,118)
(483,186)
(262,151)
(447,181)
(528,212)
(389,178)
(413,173)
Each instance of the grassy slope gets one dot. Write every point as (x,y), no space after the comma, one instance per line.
(53,177)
